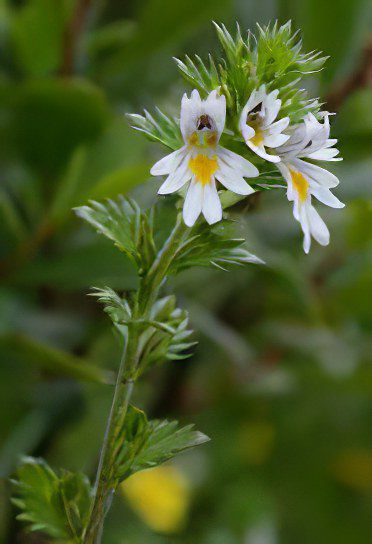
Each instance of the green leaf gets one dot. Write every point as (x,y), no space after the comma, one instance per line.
(37,32)
(147,444)
(55,361)
(158,128)
(53,117)
(56,505)
(201,75)
(273,57)
(212,246)
(75,491)
(115,306)
(166,336)
(12,217)
(123,222)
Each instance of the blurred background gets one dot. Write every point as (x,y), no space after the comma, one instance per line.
(282,377)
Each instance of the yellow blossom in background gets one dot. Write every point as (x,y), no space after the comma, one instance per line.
(354,469)
(255,441)
(161,497)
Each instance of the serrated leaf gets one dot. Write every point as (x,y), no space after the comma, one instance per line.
(56,505)
(123,222)
(165,336)
(158,127)
(212,247)
(147,444)
(201,75)
(114,305)
(273,57)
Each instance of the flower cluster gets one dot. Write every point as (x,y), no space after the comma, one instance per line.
(265,115)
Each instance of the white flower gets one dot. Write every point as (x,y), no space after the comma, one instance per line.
(203,161)
(258,126)
(310,140)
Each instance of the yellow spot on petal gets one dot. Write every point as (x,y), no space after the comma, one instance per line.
(203,139)
(203,168)
(193,140)
(212,139)
(161,497)
(257,139)
(300,183)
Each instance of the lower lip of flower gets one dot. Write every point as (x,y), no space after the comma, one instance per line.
(203,167)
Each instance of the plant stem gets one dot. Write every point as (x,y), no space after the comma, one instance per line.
(106,482)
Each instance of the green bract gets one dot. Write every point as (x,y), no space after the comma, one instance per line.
(273,56)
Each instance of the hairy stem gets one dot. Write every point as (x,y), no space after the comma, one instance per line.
(106,481)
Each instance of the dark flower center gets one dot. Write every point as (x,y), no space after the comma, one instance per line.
(204,121)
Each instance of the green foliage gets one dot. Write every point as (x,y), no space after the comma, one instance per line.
(204,76)
(279,55)
(212,246)
(158,128)
(54,361)
(114,305)
(274,57)
(123,222)
(166,335)
(147,444)
(37,32)
(55,504)
(53,117)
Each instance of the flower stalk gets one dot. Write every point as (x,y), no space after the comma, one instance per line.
(106,482)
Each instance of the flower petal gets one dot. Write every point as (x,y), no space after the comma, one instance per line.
(168,163)
(215,107)
(316,173)
(233,180)
(271,107)
(177,178)
(304,221)
(212,209)
(260,150)
(247,132)
(326,154)
(275,140)
(190,112)
(278,126)
(193,203)
(318,228)
(324,195)
(284,170)
(237,162)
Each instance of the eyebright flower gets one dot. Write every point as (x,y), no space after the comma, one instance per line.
(258,126)
(310,140)
(203,161)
